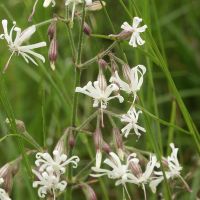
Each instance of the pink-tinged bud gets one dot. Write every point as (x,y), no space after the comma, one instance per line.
(60,146)
(96,5)
(86,29)
(117,137)
(102,64)
(126,72)
(123,35)
(102,80)
(113,64)
(88,191)
(51,30)
(53,52)
(98,140)
(7,172)
(106,148)
(71,140)
(135,167)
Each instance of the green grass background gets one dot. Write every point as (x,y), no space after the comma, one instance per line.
(43,99)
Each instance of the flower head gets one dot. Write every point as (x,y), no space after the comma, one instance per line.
(48,2)
(134,78)
(132,119)
(135,30)
(16,45)
(3,194)
(48,182)
(58,163)
(101,95)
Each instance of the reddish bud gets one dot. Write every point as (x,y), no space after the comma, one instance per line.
(102,63)
(88,191)
(106,147)
(86,29)
(53,51)
(71,140)
(51,30)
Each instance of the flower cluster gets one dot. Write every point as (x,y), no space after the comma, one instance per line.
(49,170)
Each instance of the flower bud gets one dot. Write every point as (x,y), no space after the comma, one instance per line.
(102,63)
(60,146)
(19,125)
(113,64)
(86,29)
(71,140)
(135,166)
(7,172)
(51,30)
(98,142)
(126,72)
(88,191)
(123,35)
(102,80)
(106,147)
(53,51)
(117,137)
(95,6)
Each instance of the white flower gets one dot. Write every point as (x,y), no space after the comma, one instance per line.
(48,2)
(3,194)
(73,2)
(16,44)
(48,182)
(135,30)
(174,169)
(100,95)
(119,171)
(58,163)
(135,80)
(132,119)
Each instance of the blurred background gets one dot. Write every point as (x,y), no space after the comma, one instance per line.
(42,98)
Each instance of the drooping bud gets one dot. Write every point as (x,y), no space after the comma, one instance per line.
(95,6)
(102,80)
(52,30)
(88,191)
(98,142)
(53,52)
(117,137)
(102,63)
(126,72)
(86,29)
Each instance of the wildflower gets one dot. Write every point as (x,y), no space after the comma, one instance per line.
(3,194)
(16,45)
(100,93)
(119,171)
(48,182)
(48,2)
(135,30)
(132,119)
(134,79)
(57,163)
(138,177)
(173,171)
(74,3)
